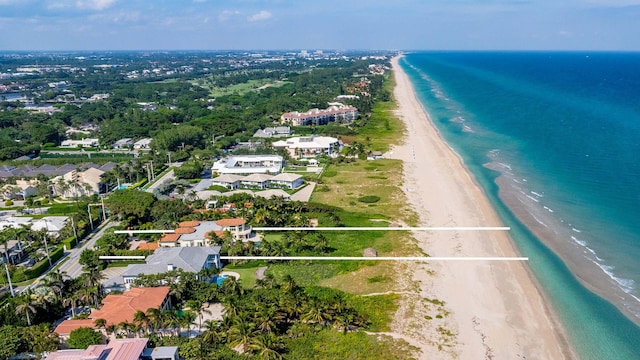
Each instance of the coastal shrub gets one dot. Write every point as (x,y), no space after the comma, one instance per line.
(330,173)
(369,199)
(219,188)
(8,203)
(378,278)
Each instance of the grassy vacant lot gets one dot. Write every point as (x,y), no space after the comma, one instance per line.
(343,185)
(329,344)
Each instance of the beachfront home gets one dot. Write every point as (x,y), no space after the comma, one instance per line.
(118,349)
(309,146)
(190,259)
(118,308)
(197,233)
(248,164)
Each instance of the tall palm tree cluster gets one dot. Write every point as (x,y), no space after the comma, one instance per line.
(260,320)
(257,321)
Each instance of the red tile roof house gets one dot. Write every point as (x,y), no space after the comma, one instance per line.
(118,349)
(118,308)
(195,233)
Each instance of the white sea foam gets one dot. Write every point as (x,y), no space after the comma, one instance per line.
(581,242)
(576,230)
(537,194)
(539,221)
(548,209)
(467,129)
(532,198)
(626,284)
(506,166)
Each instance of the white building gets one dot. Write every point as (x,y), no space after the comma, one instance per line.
(309,146)
(248,164)
(79,183)
(80,143)
(142,143)
(125,143)
(334,113)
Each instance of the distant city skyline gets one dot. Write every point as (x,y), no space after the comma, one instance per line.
(319,24)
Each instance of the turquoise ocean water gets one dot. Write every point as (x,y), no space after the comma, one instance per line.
(554,140)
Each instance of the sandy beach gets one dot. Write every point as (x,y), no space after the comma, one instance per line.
(494,309)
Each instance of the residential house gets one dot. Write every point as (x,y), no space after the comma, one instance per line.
(142,144)
(256,181)
(286,180)
(118,349)
(190,259)
(309,146)
(248,164)
(123,144)
(51,224)
(84,143)
(196,233)
(117,308)
(20,191)
(229,181)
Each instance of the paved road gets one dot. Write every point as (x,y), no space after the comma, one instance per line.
(305,193)
(72,266)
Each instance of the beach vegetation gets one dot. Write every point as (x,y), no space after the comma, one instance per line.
(369,199)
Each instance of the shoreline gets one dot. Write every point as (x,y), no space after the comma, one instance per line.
(591,276)
(509,316)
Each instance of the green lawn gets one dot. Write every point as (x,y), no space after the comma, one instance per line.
(240,89)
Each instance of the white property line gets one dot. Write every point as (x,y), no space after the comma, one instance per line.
(123,257)
(436,228)
(131,232)
(379,258)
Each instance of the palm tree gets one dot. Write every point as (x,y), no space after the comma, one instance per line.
(318,312)
(241,334)
(100,323)
(267,346)
(125,327)
(72,301)
(85,295)
(5,236)
(155,318)
(187,318)
(267,317)
(213,333)
(232,286)
(171,321)
(25,306)
(55,280)
(140,319)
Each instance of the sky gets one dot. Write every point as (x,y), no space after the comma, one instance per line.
(320,24)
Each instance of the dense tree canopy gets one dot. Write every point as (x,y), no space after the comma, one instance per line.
(83,337)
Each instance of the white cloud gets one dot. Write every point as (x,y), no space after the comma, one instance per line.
(262,15)
(94,4)
(226,14)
